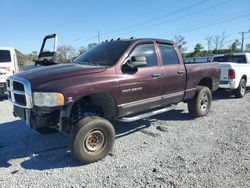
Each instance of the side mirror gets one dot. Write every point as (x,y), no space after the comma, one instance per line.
(137,61)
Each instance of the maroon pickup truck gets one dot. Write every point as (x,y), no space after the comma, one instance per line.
(124,80)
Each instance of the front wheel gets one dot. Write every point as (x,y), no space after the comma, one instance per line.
(241,90)
(200,104)
(92,139)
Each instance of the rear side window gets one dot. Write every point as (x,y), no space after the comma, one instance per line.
(5,56)
(168,54)
(148,51)
(231,58)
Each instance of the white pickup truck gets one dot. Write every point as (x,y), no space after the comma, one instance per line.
(235,72)
(8,66)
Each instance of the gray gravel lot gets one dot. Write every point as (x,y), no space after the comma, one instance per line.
(168,150)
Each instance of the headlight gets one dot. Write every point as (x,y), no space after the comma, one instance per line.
(48,99)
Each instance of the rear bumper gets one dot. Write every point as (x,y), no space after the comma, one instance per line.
(229,84)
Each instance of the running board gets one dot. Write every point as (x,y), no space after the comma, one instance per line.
(148,114)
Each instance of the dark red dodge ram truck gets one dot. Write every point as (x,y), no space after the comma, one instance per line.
(124,80)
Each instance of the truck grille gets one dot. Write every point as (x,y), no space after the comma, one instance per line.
(20,99)
(18,86)
(19,92)
(8,83)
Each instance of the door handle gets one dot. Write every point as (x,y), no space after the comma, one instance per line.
(181,72)
(156,75)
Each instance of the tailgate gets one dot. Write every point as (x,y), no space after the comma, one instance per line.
(224,73)
(225,67)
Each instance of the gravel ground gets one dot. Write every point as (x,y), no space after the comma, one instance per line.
(168,150)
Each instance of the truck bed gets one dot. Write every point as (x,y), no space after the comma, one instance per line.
(195,72)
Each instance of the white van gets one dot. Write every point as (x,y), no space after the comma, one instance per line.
(8,66)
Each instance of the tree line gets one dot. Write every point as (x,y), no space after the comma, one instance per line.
(215,44)
(65,53)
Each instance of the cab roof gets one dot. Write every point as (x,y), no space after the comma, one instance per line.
(7,48)
(141,40)
(232,54)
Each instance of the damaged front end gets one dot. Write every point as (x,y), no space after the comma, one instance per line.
(20,94)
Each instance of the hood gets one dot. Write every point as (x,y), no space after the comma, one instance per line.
(55,72)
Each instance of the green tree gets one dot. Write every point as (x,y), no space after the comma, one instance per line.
(248,47)
(198,50)
(66,53)
(33,55)
(234,46)
(92,45)
(81,49)
(21,58)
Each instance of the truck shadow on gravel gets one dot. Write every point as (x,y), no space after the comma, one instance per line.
(35,151)
(43,152)
(124,129)
(222,94)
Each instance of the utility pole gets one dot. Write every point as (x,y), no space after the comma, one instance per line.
(242,39)
(98,37)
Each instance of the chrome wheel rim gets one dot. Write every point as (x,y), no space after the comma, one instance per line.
(204,102)
(94,141)
(243,87)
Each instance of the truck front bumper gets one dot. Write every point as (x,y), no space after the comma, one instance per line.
(229,84)
(58,118)
(3,89)
(35,119)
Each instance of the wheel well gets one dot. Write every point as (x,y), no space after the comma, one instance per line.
(101,104)
(244,77)
(206,82)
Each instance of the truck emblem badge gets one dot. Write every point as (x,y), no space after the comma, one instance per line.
(131,89)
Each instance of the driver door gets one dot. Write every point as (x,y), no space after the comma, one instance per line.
(140,88)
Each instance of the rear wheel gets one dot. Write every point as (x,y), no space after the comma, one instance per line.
(241,90)
(201,102)
(92,139)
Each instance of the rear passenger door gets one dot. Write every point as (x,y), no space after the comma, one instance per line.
(173,74)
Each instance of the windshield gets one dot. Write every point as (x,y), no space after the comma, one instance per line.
(231,58)
(105,54)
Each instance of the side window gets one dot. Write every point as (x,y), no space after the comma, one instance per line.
(148,51)
(168,54)
(5,56)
